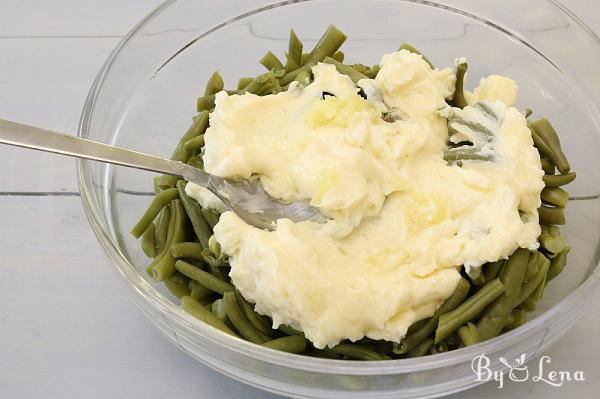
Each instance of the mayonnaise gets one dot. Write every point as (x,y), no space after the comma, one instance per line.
(403,220)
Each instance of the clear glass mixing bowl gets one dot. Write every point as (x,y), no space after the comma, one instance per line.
(144,98)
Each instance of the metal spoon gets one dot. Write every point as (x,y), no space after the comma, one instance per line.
(246,198)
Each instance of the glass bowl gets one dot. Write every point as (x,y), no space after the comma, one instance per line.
(144,99)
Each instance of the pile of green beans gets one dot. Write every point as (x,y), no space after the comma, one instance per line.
(177,234)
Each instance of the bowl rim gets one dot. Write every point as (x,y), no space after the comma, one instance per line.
(574,302)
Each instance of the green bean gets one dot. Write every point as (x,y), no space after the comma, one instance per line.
(419,335)
(270,61)
(214,85)
(206,279)
(303,77)
(211,216)
(559,180)
(205,103)
(458,100)
(164,182)
(509,320)
(291,344)
(295,48)
(199,125)
(239,321)
(338,56)
(533,266)
(466,153)
(492,320)
(187,250)
(162,228)
(546,132)
(469,309)
(261,85)
(528,288)
(422,348)
(547,166)
(408,47)
(373,71)
(492,270)
(346,70)
(195,214)
(214,264)
(196,161)
(555,196)
(550,239)
(290,63)
(214,246)
(157,204)
(557,264)
(149,241)
(478,279)
(178,285)
(551,215)
(198,291)
(195,143)
(193,307)
(289,330)
(469,335)
(518,319)
(531,303)
(258,322)
(244,82)
(291,76)
(163,265)
(440,347)
(528,112)
(358,352)
(329,43)
(218,309)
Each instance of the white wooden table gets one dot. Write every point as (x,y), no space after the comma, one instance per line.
(67,326)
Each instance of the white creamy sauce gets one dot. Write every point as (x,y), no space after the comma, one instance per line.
(403,219)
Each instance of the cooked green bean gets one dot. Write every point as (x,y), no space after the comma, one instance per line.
(518,319)
(559,180)
(550,239)
(163,265)
(291,344)
(466,153)
(214,85)
(469,335)
(292,75)
(199,125)
(531,303)
(358,352)
(290,63)
(422,348)
(372,71)
(239,321)
(162,228)
(157,204)
(458,99)
(206,279)
(408,47)
(193,307)
(211,216)
(528,288)
(551,215)
(205,103)
(164,182)
(259,322)
(555,196)
(178,285)
(187,250)
(346,70)
(338,56)
(557,264)
(270,61)
(440,347)
(195,143)
(329,43)
(546,132)
(492,270)
(295,48)
(547,166)
(469,309)
(195,214)
(149,241)
(534,265)
(198,291)
(243,82)
(492,320)
(196,161)
(289,330)
(417,336)
(218,309)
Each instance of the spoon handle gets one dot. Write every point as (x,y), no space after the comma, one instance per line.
(20,135)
